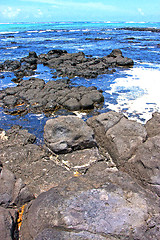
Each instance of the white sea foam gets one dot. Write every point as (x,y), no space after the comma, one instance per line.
(74,30)
(9,32)
(35,31)
(47,30)
(140,92)
(12,47)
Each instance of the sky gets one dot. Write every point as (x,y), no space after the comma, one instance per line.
(79,10)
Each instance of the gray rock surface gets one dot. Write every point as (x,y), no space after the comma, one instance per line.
(134,148)
(68,133)
(38,169)
(93,180)
(145,164)
(55,234)
(106,205)
(117,135)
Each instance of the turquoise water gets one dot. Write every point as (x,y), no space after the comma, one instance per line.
(132,91)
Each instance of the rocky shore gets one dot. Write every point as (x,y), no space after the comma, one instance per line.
(150,29)
(98,179)
(36,96)
(67,64)
(94,179)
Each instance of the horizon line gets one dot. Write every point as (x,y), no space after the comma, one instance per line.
(34,22)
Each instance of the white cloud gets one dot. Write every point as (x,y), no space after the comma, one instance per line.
(77,4)
(10,12)
(140,11)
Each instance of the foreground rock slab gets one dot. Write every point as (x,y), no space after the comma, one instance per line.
(104,206)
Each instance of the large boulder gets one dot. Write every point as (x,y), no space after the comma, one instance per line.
(100,205)
(68,133)
(117,135)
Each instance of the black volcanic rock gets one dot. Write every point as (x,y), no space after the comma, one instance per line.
(34,95)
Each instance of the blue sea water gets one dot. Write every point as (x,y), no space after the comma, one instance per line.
(134,91)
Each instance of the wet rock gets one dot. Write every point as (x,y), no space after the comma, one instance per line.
(7,224)
(115,53)
(2,76)
(34,95)
(66,134)
(10,65)
(124,61)
(31,58)
(27,68)
(93,207)
(10,101)
(72,104)
(77,64)
(117,57)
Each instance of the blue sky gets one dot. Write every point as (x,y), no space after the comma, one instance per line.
(79,10)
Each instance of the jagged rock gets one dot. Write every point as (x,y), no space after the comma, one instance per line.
(10,65)
(68,133)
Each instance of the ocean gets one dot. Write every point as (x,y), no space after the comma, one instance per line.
(132,91)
